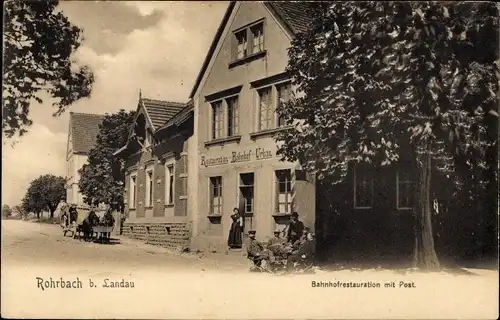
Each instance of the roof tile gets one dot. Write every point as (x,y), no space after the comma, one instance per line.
(84,130)
(293,13)
(161,111)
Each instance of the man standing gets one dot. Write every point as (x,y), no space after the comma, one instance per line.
(295,228)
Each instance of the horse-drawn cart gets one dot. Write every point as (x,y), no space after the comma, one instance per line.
(95,225)
(70,220)
(103,233)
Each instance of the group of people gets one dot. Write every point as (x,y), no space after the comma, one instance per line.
(297,244)
(69,214)
(69,218)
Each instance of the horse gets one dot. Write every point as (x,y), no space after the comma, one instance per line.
(87,225)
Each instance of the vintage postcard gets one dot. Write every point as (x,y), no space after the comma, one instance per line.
(250,160)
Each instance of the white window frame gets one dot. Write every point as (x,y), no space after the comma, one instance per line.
(231,117)
(289,202)
(271,108)
(132,195)
(248,46)
(260,37)
(273,104)
(211,196)
(280,85)
(224,130)
(355,184)
(244,45)
(169,164)
(410,182)
(150,185)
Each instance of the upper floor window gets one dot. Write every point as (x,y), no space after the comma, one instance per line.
(363,188)
(266,109)
(225,118)
(249,41)
(258,37)
(241,49)
(149,139)
(269,99)
(233,114)
(217,120)
(404,190)
(284,95)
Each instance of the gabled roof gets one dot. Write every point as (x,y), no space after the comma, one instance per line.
(161,114)
(293,15)
(84,130)
(180,117)
(161,111)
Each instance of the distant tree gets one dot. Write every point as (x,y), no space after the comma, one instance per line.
(101,179)
(18,211)
(6,211)
(44,194)
(383,82)
(38,43)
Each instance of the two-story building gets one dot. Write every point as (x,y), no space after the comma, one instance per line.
(240,85)
(82,134)
(156,162)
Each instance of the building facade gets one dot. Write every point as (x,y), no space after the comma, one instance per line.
(82,134)
(156,161)
(235,97)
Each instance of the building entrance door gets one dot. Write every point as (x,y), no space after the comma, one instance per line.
(246,200)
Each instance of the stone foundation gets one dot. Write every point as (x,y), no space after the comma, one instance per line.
(172,235)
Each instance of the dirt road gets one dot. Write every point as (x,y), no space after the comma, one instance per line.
(35,258)
(27,242)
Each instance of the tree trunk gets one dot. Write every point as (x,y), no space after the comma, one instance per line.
(424,254)
(38,215)
(52,210)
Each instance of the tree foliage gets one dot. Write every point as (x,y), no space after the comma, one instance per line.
(101,179)
(6,211)
(38,43)
(44,194)
(385,82)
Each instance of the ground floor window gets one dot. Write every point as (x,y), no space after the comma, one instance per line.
(149,187)
(283,191)
(216,195)
(169,183)
(132,190)
(247,192)
(363,188)
(404,190)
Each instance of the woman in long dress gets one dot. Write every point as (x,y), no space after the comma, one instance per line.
(235,239)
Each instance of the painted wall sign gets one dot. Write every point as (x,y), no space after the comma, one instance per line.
(238,156)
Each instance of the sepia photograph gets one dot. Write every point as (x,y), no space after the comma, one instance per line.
(250,160)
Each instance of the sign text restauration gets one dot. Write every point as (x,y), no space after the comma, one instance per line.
(237,156)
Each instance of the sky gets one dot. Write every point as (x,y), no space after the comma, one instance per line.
(156,47)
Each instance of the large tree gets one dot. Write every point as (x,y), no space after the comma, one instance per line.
(44,194)
(38,43)
(101,179)
(383,82)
